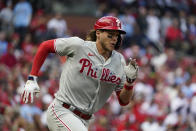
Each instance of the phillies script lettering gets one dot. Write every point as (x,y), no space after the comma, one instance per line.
(86,64)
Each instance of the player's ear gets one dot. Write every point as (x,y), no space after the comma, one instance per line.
(98,33)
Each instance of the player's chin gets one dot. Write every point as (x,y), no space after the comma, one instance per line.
(112,47)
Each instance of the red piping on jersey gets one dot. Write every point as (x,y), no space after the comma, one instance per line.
(119,100)
(44,49)
(59,118)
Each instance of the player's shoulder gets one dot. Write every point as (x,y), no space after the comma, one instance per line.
(117,54)
(73,40)
(89,43)
(78,39)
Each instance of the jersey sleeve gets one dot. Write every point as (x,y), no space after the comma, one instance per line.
(44,49)
(123,78)
(67,46)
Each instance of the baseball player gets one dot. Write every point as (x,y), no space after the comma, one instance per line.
(93,70)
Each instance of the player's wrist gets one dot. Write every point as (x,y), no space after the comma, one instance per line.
(32,78)
(128,86)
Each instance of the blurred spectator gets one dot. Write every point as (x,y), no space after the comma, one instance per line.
(101,10)
(38,26)
(128,121)
(150,108)
(13,121)
(3,43)
(6,17)
(128,22)
(172,59)
(153,125)
(181,5)
(186,90)
(58,26)
(179,104)
(183,22)
(192,4)
(28,111)
(166,21)
(28,48)
(171,120)
(193,111)
(132,52)
(173,35)
(9,58)
(2,4)
(153,28)
(22,17)
(191,27)
(141,19)
(191,35)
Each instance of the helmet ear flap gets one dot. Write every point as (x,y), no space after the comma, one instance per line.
(119,42)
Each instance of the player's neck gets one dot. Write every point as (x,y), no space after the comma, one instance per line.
(105,53)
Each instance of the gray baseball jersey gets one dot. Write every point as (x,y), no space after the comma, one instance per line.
(87,79)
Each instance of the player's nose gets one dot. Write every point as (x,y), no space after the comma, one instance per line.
(115,38)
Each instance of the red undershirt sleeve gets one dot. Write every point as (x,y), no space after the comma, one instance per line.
(119,100)
(44,49)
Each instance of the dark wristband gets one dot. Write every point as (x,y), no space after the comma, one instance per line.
(128,87)
(130,80)
(31,78)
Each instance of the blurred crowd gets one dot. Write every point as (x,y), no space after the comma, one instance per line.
(161,35)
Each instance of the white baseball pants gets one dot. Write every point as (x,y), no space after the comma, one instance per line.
(62,119)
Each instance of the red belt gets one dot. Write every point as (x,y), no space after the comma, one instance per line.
(78,112)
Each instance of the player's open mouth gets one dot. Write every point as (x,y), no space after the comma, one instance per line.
(113,44)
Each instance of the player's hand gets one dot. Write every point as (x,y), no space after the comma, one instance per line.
(131,71)
(31,88)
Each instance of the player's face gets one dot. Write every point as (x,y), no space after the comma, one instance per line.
(108,39)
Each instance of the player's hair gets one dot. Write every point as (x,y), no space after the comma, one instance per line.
(91,36)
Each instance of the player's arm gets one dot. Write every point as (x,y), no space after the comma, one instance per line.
(126,92)
(61,46)
(44,49)
(31,86)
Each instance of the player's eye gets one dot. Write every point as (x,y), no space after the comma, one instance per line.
(110,36)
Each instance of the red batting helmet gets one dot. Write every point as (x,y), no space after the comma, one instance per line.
(109,23)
